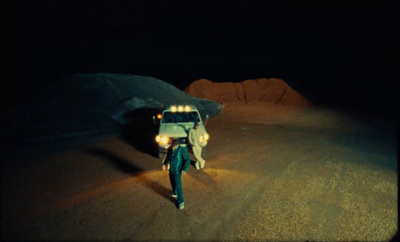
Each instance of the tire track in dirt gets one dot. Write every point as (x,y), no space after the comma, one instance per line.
(337,185)
(327,211)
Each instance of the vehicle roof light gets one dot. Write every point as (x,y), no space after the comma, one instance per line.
(180,108)
(187,108)
(173,108)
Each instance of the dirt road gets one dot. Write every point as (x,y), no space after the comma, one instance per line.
(271,174)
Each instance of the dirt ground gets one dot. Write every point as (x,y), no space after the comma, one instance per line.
(271,174)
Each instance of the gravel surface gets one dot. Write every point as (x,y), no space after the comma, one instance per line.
(271,174)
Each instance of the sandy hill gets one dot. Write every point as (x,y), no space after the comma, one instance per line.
(258,91)
(81,104)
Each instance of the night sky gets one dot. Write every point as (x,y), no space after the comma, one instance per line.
(343,53)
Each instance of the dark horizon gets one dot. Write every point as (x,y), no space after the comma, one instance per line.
(344,53)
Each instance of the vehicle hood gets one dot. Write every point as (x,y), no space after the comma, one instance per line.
(173,130)
(176,130)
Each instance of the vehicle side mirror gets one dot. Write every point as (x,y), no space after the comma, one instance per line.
(207,117)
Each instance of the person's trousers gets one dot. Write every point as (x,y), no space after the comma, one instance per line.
(197,155)
(176,184)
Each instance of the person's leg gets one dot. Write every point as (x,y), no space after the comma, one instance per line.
(197,154)
(173,183)
(202,161)
(178,187)
(196,162)
(197,165)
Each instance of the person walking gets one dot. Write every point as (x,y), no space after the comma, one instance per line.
(178,160)
(196,147)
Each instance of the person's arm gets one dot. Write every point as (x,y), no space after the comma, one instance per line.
(167,160)
(191,137)
(186,158)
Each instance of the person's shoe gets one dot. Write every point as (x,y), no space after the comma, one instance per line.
(181,205)
(202,166)
(197,166)
(174,195)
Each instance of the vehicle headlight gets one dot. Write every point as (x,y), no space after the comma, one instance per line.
(204,138)
(162,140)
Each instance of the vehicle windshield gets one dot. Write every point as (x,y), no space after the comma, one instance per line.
(169,117)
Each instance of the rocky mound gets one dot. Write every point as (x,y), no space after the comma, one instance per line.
(81,104)
(258,91)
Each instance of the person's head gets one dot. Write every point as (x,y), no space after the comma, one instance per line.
(174,142)
(196,125)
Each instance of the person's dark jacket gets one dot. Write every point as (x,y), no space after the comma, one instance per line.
(178,159)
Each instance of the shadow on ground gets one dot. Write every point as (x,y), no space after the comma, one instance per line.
(141,130)
(204,178)
(129,168)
